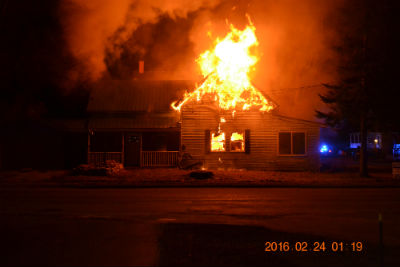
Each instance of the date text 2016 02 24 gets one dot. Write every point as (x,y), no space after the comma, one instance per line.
(317,246)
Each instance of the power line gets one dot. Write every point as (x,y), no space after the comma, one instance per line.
(275,90)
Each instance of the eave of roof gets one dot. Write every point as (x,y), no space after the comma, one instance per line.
(110,96)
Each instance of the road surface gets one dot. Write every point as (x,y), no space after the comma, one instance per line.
(196,226)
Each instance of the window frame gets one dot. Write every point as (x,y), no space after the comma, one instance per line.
(291,144)
(243,142)
(228,135)
(225,143)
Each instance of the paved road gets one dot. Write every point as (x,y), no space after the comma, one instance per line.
(194,226)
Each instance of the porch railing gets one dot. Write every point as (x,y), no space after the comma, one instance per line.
(159,158)
(100,158)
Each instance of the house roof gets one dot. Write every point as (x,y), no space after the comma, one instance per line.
(144,104)
(135,104)
(283,117)
(143,121)
(114,96)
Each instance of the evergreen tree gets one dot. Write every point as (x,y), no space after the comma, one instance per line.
(361,98)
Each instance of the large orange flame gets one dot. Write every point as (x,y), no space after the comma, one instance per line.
(226,68)
(218,142)
(237,142)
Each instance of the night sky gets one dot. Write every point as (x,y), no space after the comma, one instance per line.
(53,51)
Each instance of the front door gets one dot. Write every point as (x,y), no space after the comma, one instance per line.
(132,149)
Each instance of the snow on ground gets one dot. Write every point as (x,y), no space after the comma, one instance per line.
(176,177)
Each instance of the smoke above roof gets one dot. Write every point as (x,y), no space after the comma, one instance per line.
(296,38)
(97,30)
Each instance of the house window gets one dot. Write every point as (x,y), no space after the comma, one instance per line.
(106,142)
(292,143)
(227,141)
(237,142)
(217,142)
(285,144)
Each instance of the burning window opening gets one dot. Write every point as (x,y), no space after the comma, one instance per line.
(237,142)
(218,142)
(225,69)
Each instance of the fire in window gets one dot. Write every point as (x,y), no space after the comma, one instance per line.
(217,142)
(237,142)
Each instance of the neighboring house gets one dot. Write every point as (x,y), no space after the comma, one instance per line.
(374,140)
(382,144)
(132,122)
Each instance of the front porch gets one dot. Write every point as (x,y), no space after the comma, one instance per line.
(147,158)
(135,149)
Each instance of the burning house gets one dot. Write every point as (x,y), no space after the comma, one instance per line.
(225,122)
(250,140)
